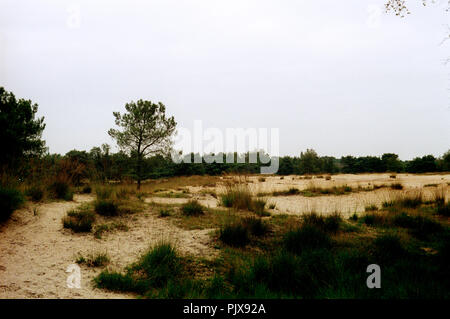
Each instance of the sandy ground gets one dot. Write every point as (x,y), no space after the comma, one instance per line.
(35,251)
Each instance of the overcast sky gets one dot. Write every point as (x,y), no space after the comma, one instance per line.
(341,77)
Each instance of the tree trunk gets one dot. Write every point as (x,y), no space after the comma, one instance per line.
(139,172)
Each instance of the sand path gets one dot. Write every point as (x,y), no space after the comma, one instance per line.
(35,250)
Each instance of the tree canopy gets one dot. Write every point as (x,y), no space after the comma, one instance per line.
(146,131)
(21,133)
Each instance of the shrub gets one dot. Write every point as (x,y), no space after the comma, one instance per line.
(106,207)
(116,282)
(258,205)
(35,192)
(421,226)
(79,221)
(104,192)
(234,234)
(373,219)
(10,200)
(87,189)
(354,217)
(192,208)
(61,190)
(305,238)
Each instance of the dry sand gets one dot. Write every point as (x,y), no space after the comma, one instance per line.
(35,251)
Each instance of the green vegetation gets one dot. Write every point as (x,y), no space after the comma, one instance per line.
(192,208)
(10,200)
(79,220)
(94,260)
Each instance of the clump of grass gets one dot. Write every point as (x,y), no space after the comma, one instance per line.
(192,208)
(272,206)
(396,186)
(35,192)
(393,176)
(258,206)
(255,226)
(388,203)
(371,208)
(164,213)
(261,179)
(328,223)
(354,217)
(328,177)
(159,267)
(94,260)
(410,200)
(10,200)
(237,196)
(234,234)
(100,229)
(106,207)
(307,237)
(79,221)
(374,219)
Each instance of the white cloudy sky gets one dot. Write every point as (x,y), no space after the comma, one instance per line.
(332,75)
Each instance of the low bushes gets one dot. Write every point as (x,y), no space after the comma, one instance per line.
(35,192)
(10,200)
(330,223)
(234,234)
(94,260)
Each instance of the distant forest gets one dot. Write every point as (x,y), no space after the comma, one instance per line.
(100,164)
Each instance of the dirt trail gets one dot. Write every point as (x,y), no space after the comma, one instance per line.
(35,250)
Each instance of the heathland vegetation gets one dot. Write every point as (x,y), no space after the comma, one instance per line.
(256,249)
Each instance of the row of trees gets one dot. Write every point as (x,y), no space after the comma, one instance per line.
(144,140)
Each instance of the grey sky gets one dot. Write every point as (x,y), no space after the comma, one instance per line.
(332,75)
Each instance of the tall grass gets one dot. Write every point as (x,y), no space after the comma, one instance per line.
(10,200)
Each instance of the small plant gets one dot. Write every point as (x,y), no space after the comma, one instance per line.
(328,177)
(258,206)
(106,207)
(104,192)
(237,196)
(10,200)
(373,219)
(192,208)
(354,217)
(328,223)
(370,208)
(261,179)
(393,176)
(94,260)
(234,234)
(79,221)
(387,204)
(272,206)
(165,213)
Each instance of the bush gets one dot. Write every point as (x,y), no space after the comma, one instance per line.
(373,219)
(10,200)
(164,213)
(421,226)
(192,208)
(35,192)
(234,234)
(87,189)
(79,221)
(97,260)
(106,207)
(305,238)
(61,190)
